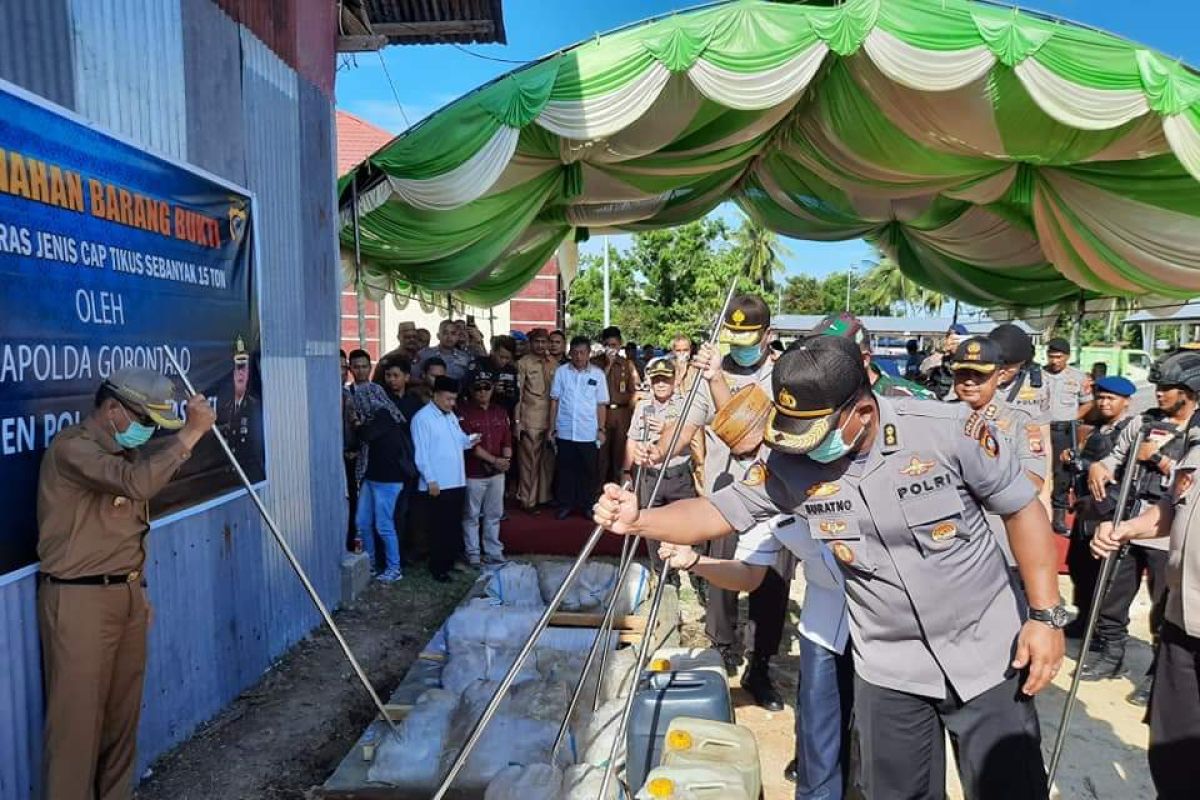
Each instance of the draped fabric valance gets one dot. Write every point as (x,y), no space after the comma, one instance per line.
(1001,157)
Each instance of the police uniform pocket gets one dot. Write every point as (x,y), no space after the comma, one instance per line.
(118,507)
(843,536)
(935,520)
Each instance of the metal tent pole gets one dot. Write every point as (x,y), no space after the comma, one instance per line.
(291,556)
(359,300)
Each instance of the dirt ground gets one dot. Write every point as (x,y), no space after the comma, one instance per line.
(289,731)
(1104,757)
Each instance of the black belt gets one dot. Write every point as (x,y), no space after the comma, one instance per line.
(96,580)
(672,472)
(618,405)
(1060,425)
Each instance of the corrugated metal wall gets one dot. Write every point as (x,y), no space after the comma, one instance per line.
(181,78)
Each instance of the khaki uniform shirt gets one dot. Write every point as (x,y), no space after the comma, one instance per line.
(930,597)
(1183,563)
(534,376)
(622,380)
(93,500)
(721,467)
(667,412)
(1068,391)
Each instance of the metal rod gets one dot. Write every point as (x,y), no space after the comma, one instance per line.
(643,652)
(291,557)
(601,644)
(1098,593)
(359,300)
(460,760)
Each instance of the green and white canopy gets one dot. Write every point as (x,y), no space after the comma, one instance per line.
(1001,157)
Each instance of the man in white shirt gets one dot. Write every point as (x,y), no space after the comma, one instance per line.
(439,442)
(578,415)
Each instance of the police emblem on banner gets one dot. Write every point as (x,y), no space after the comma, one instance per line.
(237,222)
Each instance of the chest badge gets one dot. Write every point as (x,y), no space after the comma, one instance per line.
(1034,433)
(991,411)
(917,467)
(943,531)
(120,502)
(1028,394)
(832,526)
(842,552)
(988,443)
(819,490)
(756,475)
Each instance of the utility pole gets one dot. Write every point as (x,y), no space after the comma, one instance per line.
(607,288)
(849,278)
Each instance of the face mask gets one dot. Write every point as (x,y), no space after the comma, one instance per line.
(745,355)
(682,356)
(833,447)
(612,351)
(135,435)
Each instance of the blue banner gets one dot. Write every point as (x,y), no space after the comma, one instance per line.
(109,255)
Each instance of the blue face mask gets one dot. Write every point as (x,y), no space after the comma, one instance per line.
(135,435)
(745,355)
(833,447)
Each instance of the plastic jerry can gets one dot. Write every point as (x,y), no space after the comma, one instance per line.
(686,659)
(694,782)
(692,741)
(661,697)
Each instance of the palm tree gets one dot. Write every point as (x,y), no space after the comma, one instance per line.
(760,252)
(885,287)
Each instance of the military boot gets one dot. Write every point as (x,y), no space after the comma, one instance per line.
(1108,663)
(1140,696)
(757,681)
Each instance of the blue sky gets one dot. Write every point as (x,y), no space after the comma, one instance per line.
(430,76)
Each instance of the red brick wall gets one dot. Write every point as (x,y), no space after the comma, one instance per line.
(537,305)
(350,324)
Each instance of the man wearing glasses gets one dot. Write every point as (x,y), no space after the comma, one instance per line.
(94,490)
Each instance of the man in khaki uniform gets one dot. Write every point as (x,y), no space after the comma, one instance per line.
(535,459)
(93,515)
(623,380)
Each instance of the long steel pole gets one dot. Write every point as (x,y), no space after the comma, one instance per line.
(607,288)
(1098,593)
(291,556)
(490,711)
(601,643)
(360,302)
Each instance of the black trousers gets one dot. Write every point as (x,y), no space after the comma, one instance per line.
(442,517)
(901,738)
(767,610)
(1175,716)
(677,484)
(352,493)
(1082,566)
(575,475)
(1113,623)
(1060,440)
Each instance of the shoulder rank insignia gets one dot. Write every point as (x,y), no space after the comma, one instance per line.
(756,475)
(819,490)
(991,411)
(917,467)
(1034,434)
(889,435)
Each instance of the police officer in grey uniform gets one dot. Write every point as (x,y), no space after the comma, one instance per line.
(1070,401)
(896,489)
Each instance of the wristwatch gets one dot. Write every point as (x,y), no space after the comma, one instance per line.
(1056,617)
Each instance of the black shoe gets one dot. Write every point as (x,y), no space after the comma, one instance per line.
(1106,664)
(789,772)
(757,681)
(1059,522)
(1140,696)
(733,660)
(562,513)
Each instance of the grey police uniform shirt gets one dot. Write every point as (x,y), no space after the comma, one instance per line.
(1033,400)
(929,594)
(1025,438)
(721,467)
(649,408)
(1067,391)
(1183,564)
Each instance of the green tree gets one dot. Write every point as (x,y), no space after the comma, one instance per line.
(759,251)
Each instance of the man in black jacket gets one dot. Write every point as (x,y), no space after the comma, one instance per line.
(389,467)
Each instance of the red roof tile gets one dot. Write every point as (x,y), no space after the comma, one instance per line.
(357,139)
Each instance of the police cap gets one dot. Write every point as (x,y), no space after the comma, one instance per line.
(811,383)
(979,353)
(147,391)
(660,368)
(746,320)
(1015,345)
